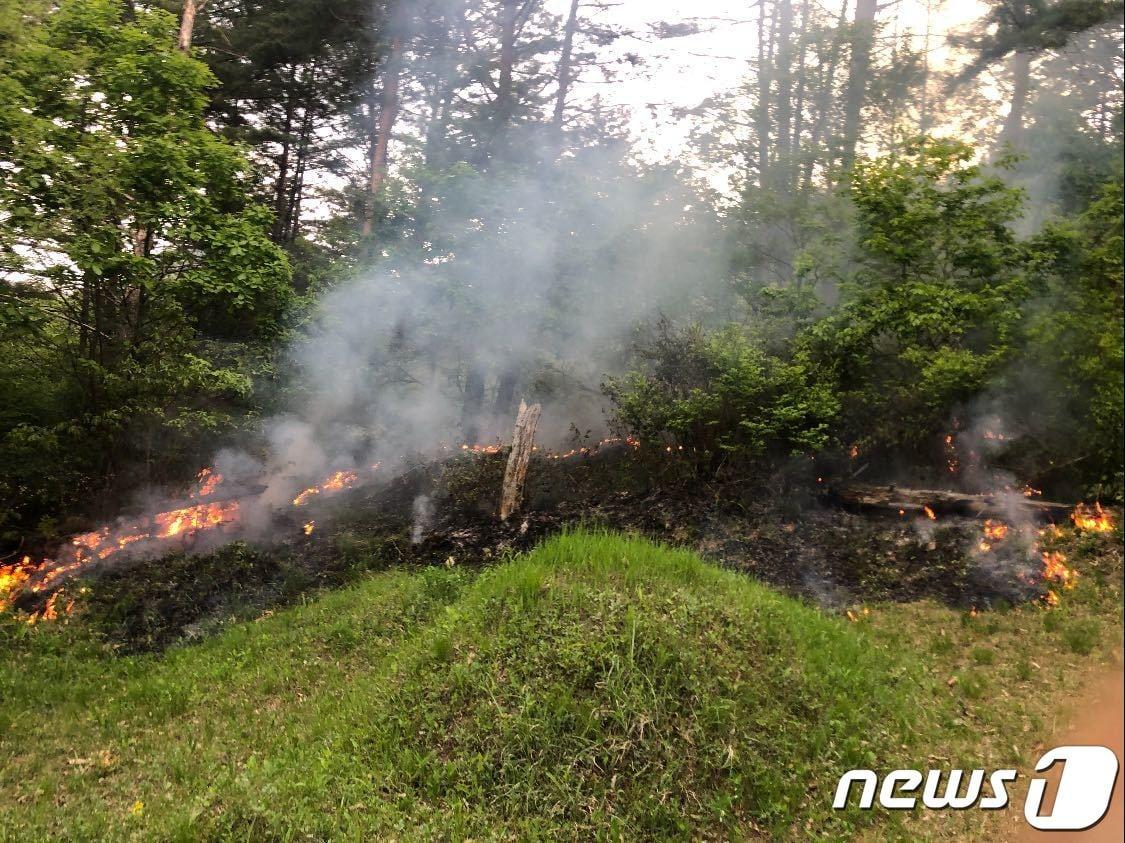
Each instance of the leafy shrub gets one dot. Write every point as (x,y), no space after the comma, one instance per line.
(720,393)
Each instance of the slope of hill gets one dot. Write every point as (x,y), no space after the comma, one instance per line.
(599,684)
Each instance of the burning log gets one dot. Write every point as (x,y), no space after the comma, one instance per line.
(523,442)
(931,501)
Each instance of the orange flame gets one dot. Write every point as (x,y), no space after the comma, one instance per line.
(336,482)
(208,480)
(952,463)
(995,530)
(483,449)
(1056,571)
(308,528)
(13,578)
(1092,518)
(203,516)
(929,513)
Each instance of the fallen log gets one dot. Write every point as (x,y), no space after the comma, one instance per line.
(896,499)
(523,440)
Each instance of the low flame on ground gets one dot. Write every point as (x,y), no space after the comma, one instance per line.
(191,519)
(1056,571)
(337,481)
(209,480)
(585,450)
(1092,518)
(482,449)
(994,531)
(86,549)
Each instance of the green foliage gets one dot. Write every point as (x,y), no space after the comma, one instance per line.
(720,393)
(125,241)
(929,314)
(1075,354)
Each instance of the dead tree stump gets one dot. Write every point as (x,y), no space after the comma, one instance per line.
(523,439)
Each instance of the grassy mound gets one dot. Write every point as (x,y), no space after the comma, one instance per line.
(599,686)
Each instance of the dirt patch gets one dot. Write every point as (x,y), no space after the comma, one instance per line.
(1099,718)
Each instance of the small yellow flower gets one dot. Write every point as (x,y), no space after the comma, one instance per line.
(138,808)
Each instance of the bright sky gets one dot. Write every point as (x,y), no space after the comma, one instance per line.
(682,72)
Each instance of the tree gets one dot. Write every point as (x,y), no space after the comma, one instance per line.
(187,23)
(1021,31)
(1069,392)
(930,312)
(859,73)
(126,242)
(296,84)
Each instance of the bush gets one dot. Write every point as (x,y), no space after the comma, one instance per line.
(721,394)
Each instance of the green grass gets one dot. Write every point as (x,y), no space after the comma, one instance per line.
(598,687)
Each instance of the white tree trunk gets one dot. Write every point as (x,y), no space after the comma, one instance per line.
(523,441)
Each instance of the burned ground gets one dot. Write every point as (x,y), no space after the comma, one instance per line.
(776,529)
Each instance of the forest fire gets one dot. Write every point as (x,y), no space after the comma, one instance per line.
(211,506)
(952,462)
(180,524)
(995,530)
(1092,518)
(1056,571)
(194,518)
(209,480)
(336,482)
(482,449)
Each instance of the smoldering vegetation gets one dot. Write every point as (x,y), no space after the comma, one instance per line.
(885,294)
(443,513)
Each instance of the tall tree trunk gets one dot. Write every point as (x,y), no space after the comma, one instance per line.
(472,403)
(506,392)
(187,23)
(924,106)
(565,60)
(802,87)
(279,191)
(297,183)
(388,113)
(784,72)
(826,86)
(505,96)
(863,40)
(1021,83)
(762,113)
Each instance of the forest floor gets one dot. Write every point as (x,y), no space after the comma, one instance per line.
(485,681)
